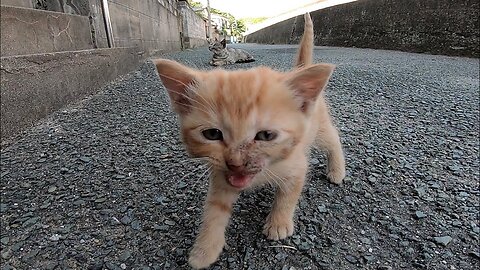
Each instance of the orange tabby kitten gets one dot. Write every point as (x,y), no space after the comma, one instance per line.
(254,126)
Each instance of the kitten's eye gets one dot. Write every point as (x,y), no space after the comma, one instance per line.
(213,134)
(265,135)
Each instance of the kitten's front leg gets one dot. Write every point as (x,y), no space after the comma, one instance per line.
(279,223)
(217,211)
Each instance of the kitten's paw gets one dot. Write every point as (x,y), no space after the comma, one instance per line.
(277,228)
(336,175)
(203,256)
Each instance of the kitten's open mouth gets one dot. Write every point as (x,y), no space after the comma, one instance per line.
(240,180)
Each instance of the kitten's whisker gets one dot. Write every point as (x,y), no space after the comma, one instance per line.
(189,88)
(269,179)
(202,159)
(200,167)
(200,178)
(210,104)
(282,181)
(173,79)
(194,107)
(207,159)
(193,100)
(274,181)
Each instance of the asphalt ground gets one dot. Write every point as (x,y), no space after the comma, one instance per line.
(106,184)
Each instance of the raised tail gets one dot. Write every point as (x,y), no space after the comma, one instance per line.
(305,50)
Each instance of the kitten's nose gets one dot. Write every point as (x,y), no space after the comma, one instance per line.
(236,168)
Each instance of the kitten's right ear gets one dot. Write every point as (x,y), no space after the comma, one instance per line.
(178,79)
(307,83)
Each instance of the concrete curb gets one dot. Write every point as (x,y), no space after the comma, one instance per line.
(33,86)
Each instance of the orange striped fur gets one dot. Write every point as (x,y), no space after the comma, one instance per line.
(241,104)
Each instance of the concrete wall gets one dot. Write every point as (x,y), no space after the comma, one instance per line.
(18,3)
(152,25)
(28,31)
(77,7)
(35,85)
(194,32)
(449,27)
(149,25)
(50,59)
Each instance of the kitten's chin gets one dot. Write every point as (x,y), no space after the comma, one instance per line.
(240,181)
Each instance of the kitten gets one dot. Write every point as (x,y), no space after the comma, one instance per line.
(225,56)
(254,127)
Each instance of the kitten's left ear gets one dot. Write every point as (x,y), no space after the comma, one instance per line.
(307,83)
(224,43)
(178,79)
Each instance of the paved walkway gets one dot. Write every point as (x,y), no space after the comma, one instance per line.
(105,184)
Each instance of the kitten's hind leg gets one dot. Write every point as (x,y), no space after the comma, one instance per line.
(211,238)
(329,141)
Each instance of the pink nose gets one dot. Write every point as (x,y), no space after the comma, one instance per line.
(235,168)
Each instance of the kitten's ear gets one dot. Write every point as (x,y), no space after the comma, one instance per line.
(307,83)
(178,79)
(224,43)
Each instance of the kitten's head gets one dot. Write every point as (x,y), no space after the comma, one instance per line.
(216,46)
(242,121)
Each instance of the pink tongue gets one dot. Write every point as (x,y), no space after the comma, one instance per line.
(239,181)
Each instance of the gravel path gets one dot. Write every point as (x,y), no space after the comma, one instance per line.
(105,184)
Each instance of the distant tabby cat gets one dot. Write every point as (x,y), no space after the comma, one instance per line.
(225,56)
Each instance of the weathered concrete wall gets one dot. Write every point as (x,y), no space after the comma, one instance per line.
(18,3)
(149,24)
(448,27)
(77,7)
(28,31)
(45,60)
(193,26)
(33,86)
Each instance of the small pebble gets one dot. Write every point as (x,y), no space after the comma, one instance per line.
(85,159)
(5,240)
(365,240)
(419,215)
(169,222)
(54,237)
(457,223)
(351,259)
(322,208)
(368,257)
(136,225)
(126,220)
(52,189)
(6,254)
(442,240)
(314,161)
(101,200)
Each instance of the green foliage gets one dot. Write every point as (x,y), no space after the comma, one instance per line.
(195,4)
(237,27)
(254,20)
(240,28)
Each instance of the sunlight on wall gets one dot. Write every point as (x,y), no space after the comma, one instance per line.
(296,12)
